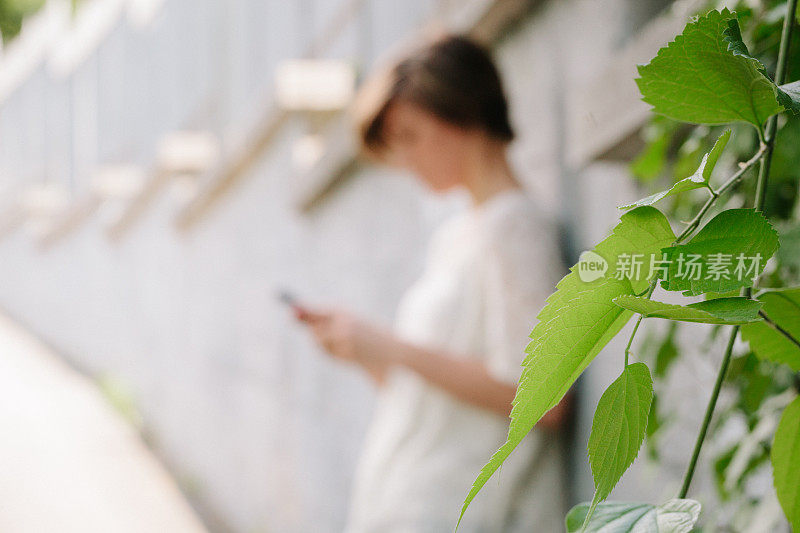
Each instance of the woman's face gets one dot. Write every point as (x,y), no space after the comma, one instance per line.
(435,150)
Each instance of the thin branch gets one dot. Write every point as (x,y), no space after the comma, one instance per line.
(648,294)
(733,180)
(743,167)
(712,403)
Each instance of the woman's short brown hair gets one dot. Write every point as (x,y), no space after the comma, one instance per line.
(452,77)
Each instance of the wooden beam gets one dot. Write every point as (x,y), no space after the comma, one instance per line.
(180,153)
(233,169)
(139,204)
(12,218)
(498,17)
(69,220)
(331,169)
(608,113)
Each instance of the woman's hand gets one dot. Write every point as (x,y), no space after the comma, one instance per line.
(351,339)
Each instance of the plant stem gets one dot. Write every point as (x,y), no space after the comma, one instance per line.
(648,294)
(772,122)
(712,403)
(735,178)
(744,167)
(767,145)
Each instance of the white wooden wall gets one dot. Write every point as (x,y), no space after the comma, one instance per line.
(256,423)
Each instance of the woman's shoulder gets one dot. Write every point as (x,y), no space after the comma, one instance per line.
(513,215)
(521,240)
(509,219)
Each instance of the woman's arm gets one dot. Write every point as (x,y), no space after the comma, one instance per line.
(375,350)
(466,379)
(470,381)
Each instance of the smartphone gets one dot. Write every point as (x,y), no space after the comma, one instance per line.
(288,298)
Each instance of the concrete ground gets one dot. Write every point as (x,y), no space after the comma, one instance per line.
(68,462)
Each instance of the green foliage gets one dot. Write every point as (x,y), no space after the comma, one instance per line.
(578,320)
(673,516)
(706,76)
(786,462)
(783,308)
(618,428)
(695,181)
(666,352)
(13,12)
(730,233)
(789,94)
(736,310)
(753,380)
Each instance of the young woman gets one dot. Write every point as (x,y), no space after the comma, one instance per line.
(448,370)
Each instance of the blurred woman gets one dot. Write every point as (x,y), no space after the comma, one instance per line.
(447,371)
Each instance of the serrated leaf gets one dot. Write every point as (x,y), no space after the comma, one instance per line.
(710,159)
(736,310)
(695,181)
(789,96)
(785,457)
(705,76)
(618,427)
(733,36)
(734,239)
(673,516)
(578,320)
(783,308)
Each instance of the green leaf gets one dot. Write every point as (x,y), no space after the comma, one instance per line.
(733,36)
(673,516)
(789,96)
(786,462)
(705,76)
(736,310)
(618,427)
(727,253)
(783,308)
(710,159)
(695,181)
(578,320)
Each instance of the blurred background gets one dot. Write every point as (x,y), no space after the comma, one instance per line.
(168,166)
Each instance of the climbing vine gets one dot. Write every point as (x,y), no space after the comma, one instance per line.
(722,264)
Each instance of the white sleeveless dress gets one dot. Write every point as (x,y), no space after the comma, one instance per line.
(487,275)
